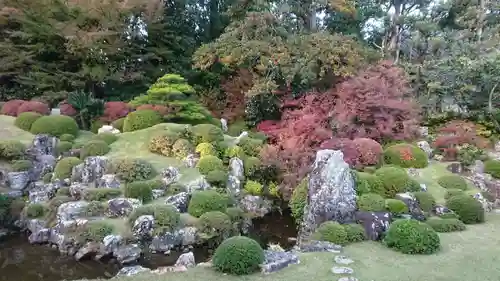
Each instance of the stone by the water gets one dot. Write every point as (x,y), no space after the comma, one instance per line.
(342,270)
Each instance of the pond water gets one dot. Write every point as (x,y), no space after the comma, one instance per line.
(20,260)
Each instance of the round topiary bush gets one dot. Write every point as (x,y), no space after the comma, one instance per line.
(21,165)
(167,218)
(253,187)
(25,120)
(35,210)
(251,146)
(10,108)
(140,190)
(130,169)
(394,180)
(445,225)
(64,166)
(118,124)
(298,201)
(332,232)
(63,146)
(182,148)
(370,151)
(452,182)
(205,149)
(141,119)
(368,183)
(108,138)
(406,156)
(396,206)
(206,201)
(412,237)
(94,148)
(162,143)
(55,125)
(371,202)
(34,106)
(412,185)
(217,178)
(238,255)
(425,200)
(215,224)
(234,151)
(355,232)
(452,192)
(207,133)
(67,137)
(468,209)
(114,110)
(492,167)
(251,165)
(11,149)
(209,163)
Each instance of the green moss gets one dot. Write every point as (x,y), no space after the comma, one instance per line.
(141,119)
(332,232)
(25,120)
(394,180)
(371,202)
(94,148)
(140,190)
(452,182)
(208,164)
(11,149)
(55,125)
(101,194)
(253,187)
(206,201)
(64,167)
(108,138)
(21,165)
(298,201)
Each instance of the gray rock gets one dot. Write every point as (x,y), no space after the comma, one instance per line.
(143,226)
(331,193)
(342,270)
(44,145)
(348,278)
(277,260)
(412,203)
(423,131)
(167,241)
(197,184)
(191,160)
(186,259)
(18,180)
(423,187)
(456,168)
(343,260)
(487,206)
(42,165)
(374,223)
(236,168)
(425,146)
(223,124)
(157,193)
(128,253)
(180,201)
(319,246)
(233,185)
(170,175)
(110,244)
(91,170)
(70,211)
(257,206)
(131,270)
(478,167)
(243,135)
(440,210)
(13,193)
(90,248)
(412,172)
(121,207)
(42,192)
(77,190)
(189,235)
(108,181)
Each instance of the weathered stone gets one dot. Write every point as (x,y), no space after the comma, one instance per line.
(423,131)
(331,192)
(128,253)
(71,211)
(170,175)
(319,246)
(42,164)
(131,270)
(425,146)
(90,248)
(374,223)
(44,145)
(277,260)
(122,207)
(91,170)
(18,180)
(179,200)
(191,160)
(223,124)
(157,193)
(233,185)
(455,168)
(343,260)
(348,278)
(440,210)
(167,269)
(186,259)
(189,235)
(255,205)
(412,203)
(243,135)
(77,190)
(342,270)
(110,244)
(186,236)
(236,168)
(108,129)
(143,226)
(108,181)
(412,172)
(42,192)
(197,184)
(487,206)
(423,187)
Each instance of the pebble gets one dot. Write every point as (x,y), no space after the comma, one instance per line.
(343,260)
(342,270)
(349,278)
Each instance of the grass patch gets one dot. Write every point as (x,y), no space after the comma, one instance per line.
(8,131)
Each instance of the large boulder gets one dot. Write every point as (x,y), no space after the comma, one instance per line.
(374,223)
(91,170)
(413,206)
(107,129)
(331,193)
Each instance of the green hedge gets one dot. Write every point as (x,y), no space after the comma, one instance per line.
(55,125)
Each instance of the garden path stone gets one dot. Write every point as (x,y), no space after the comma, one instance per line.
(348,278)
(343,260)
(342,270)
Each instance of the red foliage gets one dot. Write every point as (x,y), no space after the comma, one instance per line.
(67,109)
(163,110)
(34,106)
(114,110)
(11,107)
(373,105)
(370,151)
(233,106)
(348,148)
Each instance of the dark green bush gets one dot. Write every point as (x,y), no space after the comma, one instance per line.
(21,165)
(425,200)
(448,216)
(332,232)
(251,146)
(35,210)
(205,201)
(396,206)
(394,180)
(11,149)
(238,255)
(406,156)
(96,208)
(94,148)
(25,120)
(94,231)
(298,201)
(118,124)
(64,166)
(371,202)
(355,233)
(141,119)
(446,225)
(236,214)
(55,125)
(452,182)
(63,146)
(130,169)
(251,165)
(101,194)
(412,237)
(368,183)
(209,163)
(167,218)
(452,192)
(108,138)
(468,209)
(207,133)
(412,186)
(215,224)
(217,178)
(492,167)
(140,190)
(67,137)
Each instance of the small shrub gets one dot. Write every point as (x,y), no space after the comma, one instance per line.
(468,209)
(209,163)
(114,110)
(142,119)
(205,149)
(238,255)
(445,225)
(492,167)
(412,186)
(130,170)
(25,120)
(273,189)
(452,192)
(332,232)
(101,194)
(67,137)
(298,201)
(355,233)
(234,151)
(206,201)
(412,237)
(253,187)
(368,183)
(118,124)
(162,144)
(10,108)
(217,178)
(215,224)
(371,202)
(94,148)
(167,218)
(394,180)
(162,110)
(251,146)
(182,148)
(251,165)
(396,206)
(425,200)
(33,106)
(11,149)
(96,125)
(452,182)
(207,133)
(406,156)
(95,231)
(64,167)
(21,165)
(236,214)
(370,151)
(468,154)
(108,138)
(55,125)
(35,210)
(63,146)
(96,208)
(140,190)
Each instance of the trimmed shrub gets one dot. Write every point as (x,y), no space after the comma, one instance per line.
(21,165)
(236,214)
(217,178)
(63,146)
(209,163)
(452,182)
(445,225)
(162,143)
(215,224)
(55,125)
(412,185)
(142,119)
(101,194)
(11,107)
(140,190)
(452,192)
(205,201)
(368,183)
(114,110)
(371,202)
(33,106)
(94,148)
(35,210)
(396,206)
(355,232)
(96,125)
(332,232)
(162,110)
(67,109)
(425,200)
(64,166)
(394,180)
(130,170)
(94,231)
(492,167)
(251,165)
(67,137)
(298,201)
(238,255)
(468,209)
(207,133)
(412,237)
(25,120)
(251,146)
(11,149)
(234,151)
(118,124)
(167,218)
(406,156)
(370,151)
(205,149)
(253,187)
(182,148)
(108,138)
